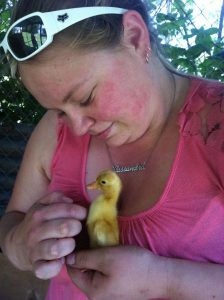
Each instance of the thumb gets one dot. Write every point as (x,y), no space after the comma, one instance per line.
(95,259)
(88,270)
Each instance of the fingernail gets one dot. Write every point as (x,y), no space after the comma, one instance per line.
(83,213)
(78,212)
(62,260)
(70,259)
(64,230)
(67,200)
(54,251)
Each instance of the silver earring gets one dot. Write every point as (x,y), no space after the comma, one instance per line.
(148,53)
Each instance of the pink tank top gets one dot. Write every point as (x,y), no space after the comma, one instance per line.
(188,220)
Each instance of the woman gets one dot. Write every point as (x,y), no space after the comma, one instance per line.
(114,103)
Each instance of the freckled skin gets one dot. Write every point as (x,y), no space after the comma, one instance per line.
(118,100)
(123,104)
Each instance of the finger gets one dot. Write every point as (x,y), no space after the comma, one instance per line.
(97,259)
(54,197)
(53,229)
(53,249)
(48,269)
(60,210)
(70,259)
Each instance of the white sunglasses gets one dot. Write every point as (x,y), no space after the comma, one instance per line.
(34,32)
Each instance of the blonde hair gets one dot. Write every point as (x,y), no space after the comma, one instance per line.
(94,33)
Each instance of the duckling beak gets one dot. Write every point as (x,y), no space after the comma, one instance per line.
(92,186)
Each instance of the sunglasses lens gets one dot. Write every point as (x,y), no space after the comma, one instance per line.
(27,36)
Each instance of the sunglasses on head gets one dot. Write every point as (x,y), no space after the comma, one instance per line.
(31,34)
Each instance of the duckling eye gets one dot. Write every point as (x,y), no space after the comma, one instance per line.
(103,182)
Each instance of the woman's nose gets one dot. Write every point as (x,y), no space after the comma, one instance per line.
(80,124)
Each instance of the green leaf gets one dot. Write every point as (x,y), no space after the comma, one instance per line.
(196,51)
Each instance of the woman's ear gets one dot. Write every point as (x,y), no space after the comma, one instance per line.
(136,34)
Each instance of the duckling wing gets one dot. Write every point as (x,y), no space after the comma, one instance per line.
(104,233)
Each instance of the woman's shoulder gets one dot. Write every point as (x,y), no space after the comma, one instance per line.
(203,111)
(203,91)
(34,172)
(43,140)
(47,124)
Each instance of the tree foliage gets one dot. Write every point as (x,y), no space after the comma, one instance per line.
(197,51)
(16,104)
(194,50)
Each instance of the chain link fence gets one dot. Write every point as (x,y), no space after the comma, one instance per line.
(19,113)
(192,39)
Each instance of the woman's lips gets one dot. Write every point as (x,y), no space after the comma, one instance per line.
(105,133)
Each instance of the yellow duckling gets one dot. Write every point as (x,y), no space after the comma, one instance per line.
(102,222)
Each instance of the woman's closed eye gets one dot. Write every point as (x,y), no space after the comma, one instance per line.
(84,103)
(87,101)
(60,113)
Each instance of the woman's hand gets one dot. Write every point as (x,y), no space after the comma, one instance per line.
(134,273)
(45,236)
(123,272)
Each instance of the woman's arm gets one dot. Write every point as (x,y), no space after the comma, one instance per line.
(36,233)
(195,280)
(135,273)
(34,174)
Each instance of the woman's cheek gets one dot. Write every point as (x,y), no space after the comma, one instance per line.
(116,100)
(110,103)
